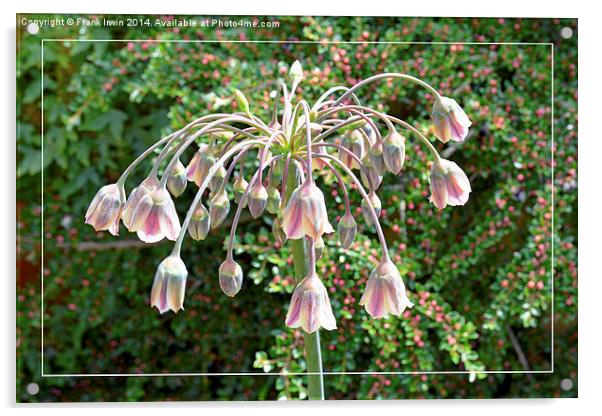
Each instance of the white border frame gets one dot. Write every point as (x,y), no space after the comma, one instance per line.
(372,373)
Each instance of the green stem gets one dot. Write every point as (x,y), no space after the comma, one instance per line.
(313,356)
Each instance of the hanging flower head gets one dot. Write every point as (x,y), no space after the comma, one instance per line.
(338,138)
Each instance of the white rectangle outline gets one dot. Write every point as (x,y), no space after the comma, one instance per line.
(550,371)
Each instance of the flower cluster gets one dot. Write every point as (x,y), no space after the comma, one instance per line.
(336,136)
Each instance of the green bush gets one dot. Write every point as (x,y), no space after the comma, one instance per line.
(480,275)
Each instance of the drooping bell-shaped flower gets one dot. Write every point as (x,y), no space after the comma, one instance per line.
(394,151)
(376,204)
(219,207)
(150,212)
(239,187)
(258,198)
(200,164)
(310,306)
(230,277)
(449,184)
(177,180)
(347,228)
(450,121)
(199,224)
(385,292)
(105,209)
(273,204)
(305,213)
(169,285)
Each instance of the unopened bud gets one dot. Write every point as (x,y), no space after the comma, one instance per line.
(347,228)
(219,206)
(296,72)
(176,181)
(239,187)
(376,157)
(199,225)
(354,142)
(242,102)
(230,277)
(217,179)
(367,212)
(258,198)
(370,177)
(273,205)
(394,151)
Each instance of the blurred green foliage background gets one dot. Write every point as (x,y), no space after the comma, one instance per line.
(480,275)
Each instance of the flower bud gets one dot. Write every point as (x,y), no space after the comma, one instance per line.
(230,277)
(370,177)
(169,285)
(273,205)
(450,121)
(239,187)
(176,181)
(151,213)
(319,247)
(366,212)
(353,141)
(376,157)
(394,151)
(449,184)
(242,102)
(258,198)
(310,306)
(105,209)
(385,292)
(347,229)
(217,179)
(305,213)
(278,232)
(296,72)
(199,224)
(219,206)
(200,164)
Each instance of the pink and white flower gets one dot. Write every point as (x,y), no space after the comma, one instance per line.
(449,184)
(169,285)
(105,209)
(310,306)
(305,213)
(150,212)
(385,292)
(451,122)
